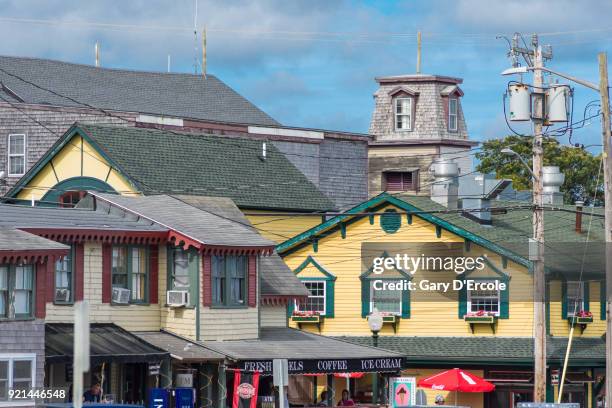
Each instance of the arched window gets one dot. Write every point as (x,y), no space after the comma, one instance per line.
(70,191)
(71,198)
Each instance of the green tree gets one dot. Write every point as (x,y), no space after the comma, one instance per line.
(579,166)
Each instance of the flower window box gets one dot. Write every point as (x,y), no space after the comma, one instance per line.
(392,320)
(307,318)
(480,317)
(582,319)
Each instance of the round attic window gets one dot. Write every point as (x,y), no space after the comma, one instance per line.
(390,221)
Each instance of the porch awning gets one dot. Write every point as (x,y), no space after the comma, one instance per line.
(108,343)
(180,348)
(307,353)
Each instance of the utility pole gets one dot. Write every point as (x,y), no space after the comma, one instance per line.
(535,60)
(539,279)
(607,168)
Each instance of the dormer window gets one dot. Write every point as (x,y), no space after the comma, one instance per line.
(452,114)
(403,114)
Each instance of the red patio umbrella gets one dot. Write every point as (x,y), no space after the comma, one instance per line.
(456,380)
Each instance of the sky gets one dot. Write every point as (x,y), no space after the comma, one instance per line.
(312,63)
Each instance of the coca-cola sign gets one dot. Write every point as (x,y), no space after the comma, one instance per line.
(246,391)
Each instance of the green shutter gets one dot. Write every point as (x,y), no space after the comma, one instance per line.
(329,298)
(564,299)
(504,304)
(587,296)
(290,307)
(365,297)
(462,301)
(602,300)
(405,304)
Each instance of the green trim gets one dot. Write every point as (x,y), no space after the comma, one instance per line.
(71,257)
(586,300)
(371,216)
(80,183)
(587,296)
(329,298)
(409,218)
(227,302)
(602,300)
(10,290)
(462,307)
(504,262)
(55,149)
(315,245)
(504,296)
(305,237)
(311,261)
(438,231)
(343,230)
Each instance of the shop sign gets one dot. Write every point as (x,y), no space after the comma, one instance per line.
(184,380)
(402,392)
(328,366)
(554,377)
(154,368)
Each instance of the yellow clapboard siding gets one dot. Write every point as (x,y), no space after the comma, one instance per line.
(70,162)
(279,228)
(434,317)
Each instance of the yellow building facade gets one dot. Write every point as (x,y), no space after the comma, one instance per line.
(331,260)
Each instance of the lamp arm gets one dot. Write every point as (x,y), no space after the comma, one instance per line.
(568,77)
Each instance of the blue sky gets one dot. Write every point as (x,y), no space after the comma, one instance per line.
(312,63)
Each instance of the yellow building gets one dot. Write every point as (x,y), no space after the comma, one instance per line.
(139,161)
(485,329)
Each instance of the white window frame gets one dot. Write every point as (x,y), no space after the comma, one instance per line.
(371,283)
(397,101)
(469,303)
(324,283)
(452,114)
(11,358)
(10,155)
(570,310)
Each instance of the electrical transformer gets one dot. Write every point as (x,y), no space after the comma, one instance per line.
(557,97)
(520,103)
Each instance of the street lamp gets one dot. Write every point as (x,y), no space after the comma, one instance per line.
(509,152)
(375,322)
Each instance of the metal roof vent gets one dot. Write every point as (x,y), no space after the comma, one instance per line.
(445,187)
(552,179)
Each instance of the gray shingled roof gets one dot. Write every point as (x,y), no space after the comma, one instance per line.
(179,347)
(197,223)
(16,240)
(278,279)
(20,216)
(294,344)
(206,165)
(493,350)
(171,94)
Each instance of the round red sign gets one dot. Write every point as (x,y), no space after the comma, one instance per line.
(246,390)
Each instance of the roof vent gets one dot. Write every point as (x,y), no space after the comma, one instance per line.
(552,179)
(445,188)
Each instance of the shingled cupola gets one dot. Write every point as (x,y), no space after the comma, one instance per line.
(416,118)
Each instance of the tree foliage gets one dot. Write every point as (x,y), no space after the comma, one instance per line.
(580,167)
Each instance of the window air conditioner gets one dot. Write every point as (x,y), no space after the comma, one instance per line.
(177,298)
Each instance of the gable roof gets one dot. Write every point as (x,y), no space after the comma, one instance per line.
(170,94)
(161,161)
(508,235)
(198,224)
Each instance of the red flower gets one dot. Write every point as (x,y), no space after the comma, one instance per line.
(584,313)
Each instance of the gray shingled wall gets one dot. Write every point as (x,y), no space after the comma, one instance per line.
(26,336)
(430,118)
(344,171)
(304,156)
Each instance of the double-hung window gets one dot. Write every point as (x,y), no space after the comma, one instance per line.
(575,297)
(16,154)
(403,114)
(16,291)
(385,300)
(484,300)
(229,280)
(17,372)
(64,275)
(453,106)
(183,271)
(130,270)
(316,300)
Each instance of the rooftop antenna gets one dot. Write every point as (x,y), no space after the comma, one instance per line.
(97,52)
(168,62)
(204,51)
(418,64)
(195,38)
